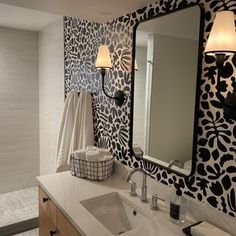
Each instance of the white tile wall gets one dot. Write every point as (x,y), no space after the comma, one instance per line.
(51,91)
(19,124)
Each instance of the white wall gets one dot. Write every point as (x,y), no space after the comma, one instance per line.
(139,97)
(51,92)
(19,129)
(173,98)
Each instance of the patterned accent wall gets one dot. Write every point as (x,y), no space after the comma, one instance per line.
(214,180)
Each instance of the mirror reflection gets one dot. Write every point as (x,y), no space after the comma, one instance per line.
(165,88)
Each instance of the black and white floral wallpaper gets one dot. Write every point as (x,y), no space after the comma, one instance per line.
(214,180)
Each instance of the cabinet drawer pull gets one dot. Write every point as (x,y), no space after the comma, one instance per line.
(52,233)
(45,199)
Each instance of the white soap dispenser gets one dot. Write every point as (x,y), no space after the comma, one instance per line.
(177,208)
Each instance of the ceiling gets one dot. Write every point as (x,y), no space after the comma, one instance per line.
(24,19)
(93,10)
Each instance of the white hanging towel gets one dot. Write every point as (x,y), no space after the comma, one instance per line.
(66,130)
(76,130)
(83,133)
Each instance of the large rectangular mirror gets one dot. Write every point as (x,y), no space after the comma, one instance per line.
(165,89)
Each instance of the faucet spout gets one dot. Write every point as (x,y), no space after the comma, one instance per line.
(143,197)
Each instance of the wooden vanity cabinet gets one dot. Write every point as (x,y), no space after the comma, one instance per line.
(65,227)
(52,222)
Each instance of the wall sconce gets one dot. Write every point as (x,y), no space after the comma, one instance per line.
(104,62)
(222,42)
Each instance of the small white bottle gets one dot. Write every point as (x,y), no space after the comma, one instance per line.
(177,208)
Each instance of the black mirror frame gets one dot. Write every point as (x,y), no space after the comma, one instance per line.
(197,95)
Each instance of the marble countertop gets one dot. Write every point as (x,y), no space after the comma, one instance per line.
(67,191)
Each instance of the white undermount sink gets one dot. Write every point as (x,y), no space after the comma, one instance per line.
(116,213)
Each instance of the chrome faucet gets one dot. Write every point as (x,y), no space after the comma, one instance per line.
(143,197)
(178,163)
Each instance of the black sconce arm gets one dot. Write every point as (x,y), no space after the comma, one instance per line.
(119,95)
(103,73)
(220,58)
(228,103)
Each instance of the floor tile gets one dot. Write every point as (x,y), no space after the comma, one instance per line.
(18,206)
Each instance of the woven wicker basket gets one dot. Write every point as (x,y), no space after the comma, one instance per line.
(92,170)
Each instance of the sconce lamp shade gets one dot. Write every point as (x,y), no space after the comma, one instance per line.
(222,39)
(103,57)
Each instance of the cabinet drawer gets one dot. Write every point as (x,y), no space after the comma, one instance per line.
(47,205)
(46,227)
(64,227)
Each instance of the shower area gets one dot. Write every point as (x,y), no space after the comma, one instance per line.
(19,125)
(28,47)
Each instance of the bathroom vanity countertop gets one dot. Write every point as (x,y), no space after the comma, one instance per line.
(67,191)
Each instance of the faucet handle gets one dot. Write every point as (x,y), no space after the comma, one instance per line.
(162,199)
(132,192)
(154,205)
